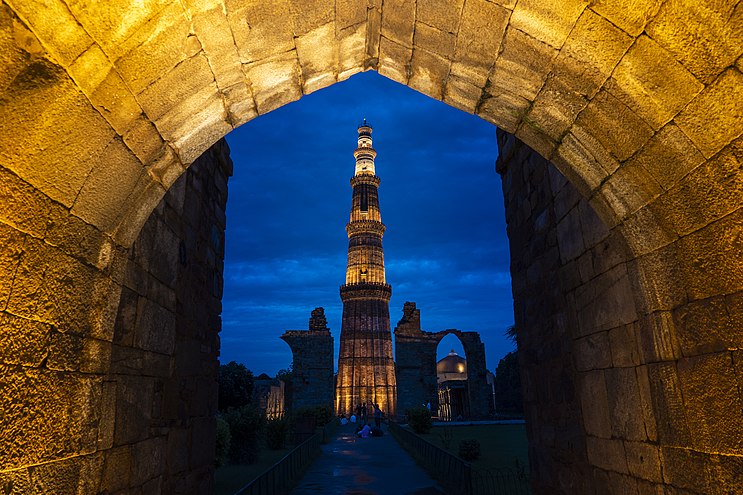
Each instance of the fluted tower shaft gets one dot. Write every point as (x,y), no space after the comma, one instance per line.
(366,370)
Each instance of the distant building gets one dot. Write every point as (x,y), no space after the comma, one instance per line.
(268,396)
(451,374)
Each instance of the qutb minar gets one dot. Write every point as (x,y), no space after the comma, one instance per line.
(366,370)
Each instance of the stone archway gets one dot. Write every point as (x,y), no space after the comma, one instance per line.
(105,105)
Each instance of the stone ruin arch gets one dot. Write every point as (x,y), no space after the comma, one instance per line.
(415,365)
(105,105)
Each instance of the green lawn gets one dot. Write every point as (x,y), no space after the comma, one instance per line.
(229,479)
(500,445)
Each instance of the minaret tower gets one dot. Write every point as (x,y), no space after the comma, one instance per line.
(366,370)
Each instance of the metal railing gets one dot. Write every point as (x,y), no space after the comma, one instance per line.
(457,475)
(280,477)
(449,469)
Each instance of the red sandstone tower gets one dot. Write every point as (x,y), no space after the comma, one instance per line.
(366,370)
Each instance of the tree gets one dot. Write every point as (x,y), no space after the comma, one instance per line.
(508,396)
(235,385)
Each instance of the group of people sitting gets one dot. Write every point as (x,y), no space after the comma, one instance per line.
(365,429)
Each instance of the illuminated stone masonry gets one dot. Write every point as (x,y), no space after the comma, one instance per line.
(313,382)
(415,365)
(366,371)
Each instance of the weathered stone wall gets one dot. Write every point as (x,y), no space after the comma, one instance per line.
(603,380)
(313,381)
(165,346)
(415,365)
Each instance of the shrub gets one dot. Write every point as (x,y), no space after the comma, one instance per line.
(246,424)
(322,414)
(223,442)
(469,450)
(276,433)
(419,419)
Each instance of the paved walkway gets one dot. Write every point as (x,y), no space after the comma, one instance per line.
(365,466)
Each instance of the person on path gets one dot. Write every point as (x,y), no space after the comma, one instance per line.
(353,418)
(377,416)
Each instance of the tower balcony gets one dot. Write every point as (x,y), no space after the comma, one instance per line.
(366,290)
(365,179)
(370,152)
(365,227)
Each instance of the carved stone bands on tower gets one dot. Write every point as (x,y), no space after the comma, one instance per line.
(366,370)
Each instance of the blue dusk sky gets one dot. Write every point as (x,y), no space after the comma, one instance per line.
(289,201)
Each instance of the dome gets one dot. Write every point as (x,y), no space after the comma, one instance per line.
(452,363)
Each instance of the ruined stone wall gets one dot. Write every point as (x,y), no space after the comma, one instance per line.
(415,365)
(576,320)
(163,388)
(609,402)
(313,382)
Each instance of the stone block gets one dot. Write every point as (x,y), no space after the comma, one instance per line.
(214,34)
(134,397)
(440,14)
(155,328)
(117,469)
(606,302)
(195,123)
(711,109)
(607,454)
(352,52)
(148,459)
(593,352)
(428,73)
(710,258)
(275,81)
(502,108)
(185,81)
(549,23)
(317,52)
(77,238)
(398,22)
(461,94)
(706,326)
(594,403)
(350,13)
(569,238)
(688,469)
(669,155)
(652,83)
(629,189)
(658,340)
(643,461)
(712,402)
(23,341)
(523,64)
(53,23)
(105,89)
(71,135)
(555,108)
(630,16)
(686,210)
(645,231)
(111,25)
(60,477)
(261,29)
(475,54)
(624,404)
(26,208)
(16,482)
(110,183)
(619,130)
(308,14)
(583,67)
(624,347)
(704,37)
(584,161)
(658,273)
(668,405)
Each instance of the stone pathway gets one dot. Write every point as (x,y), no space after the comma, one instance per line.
(365,466)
